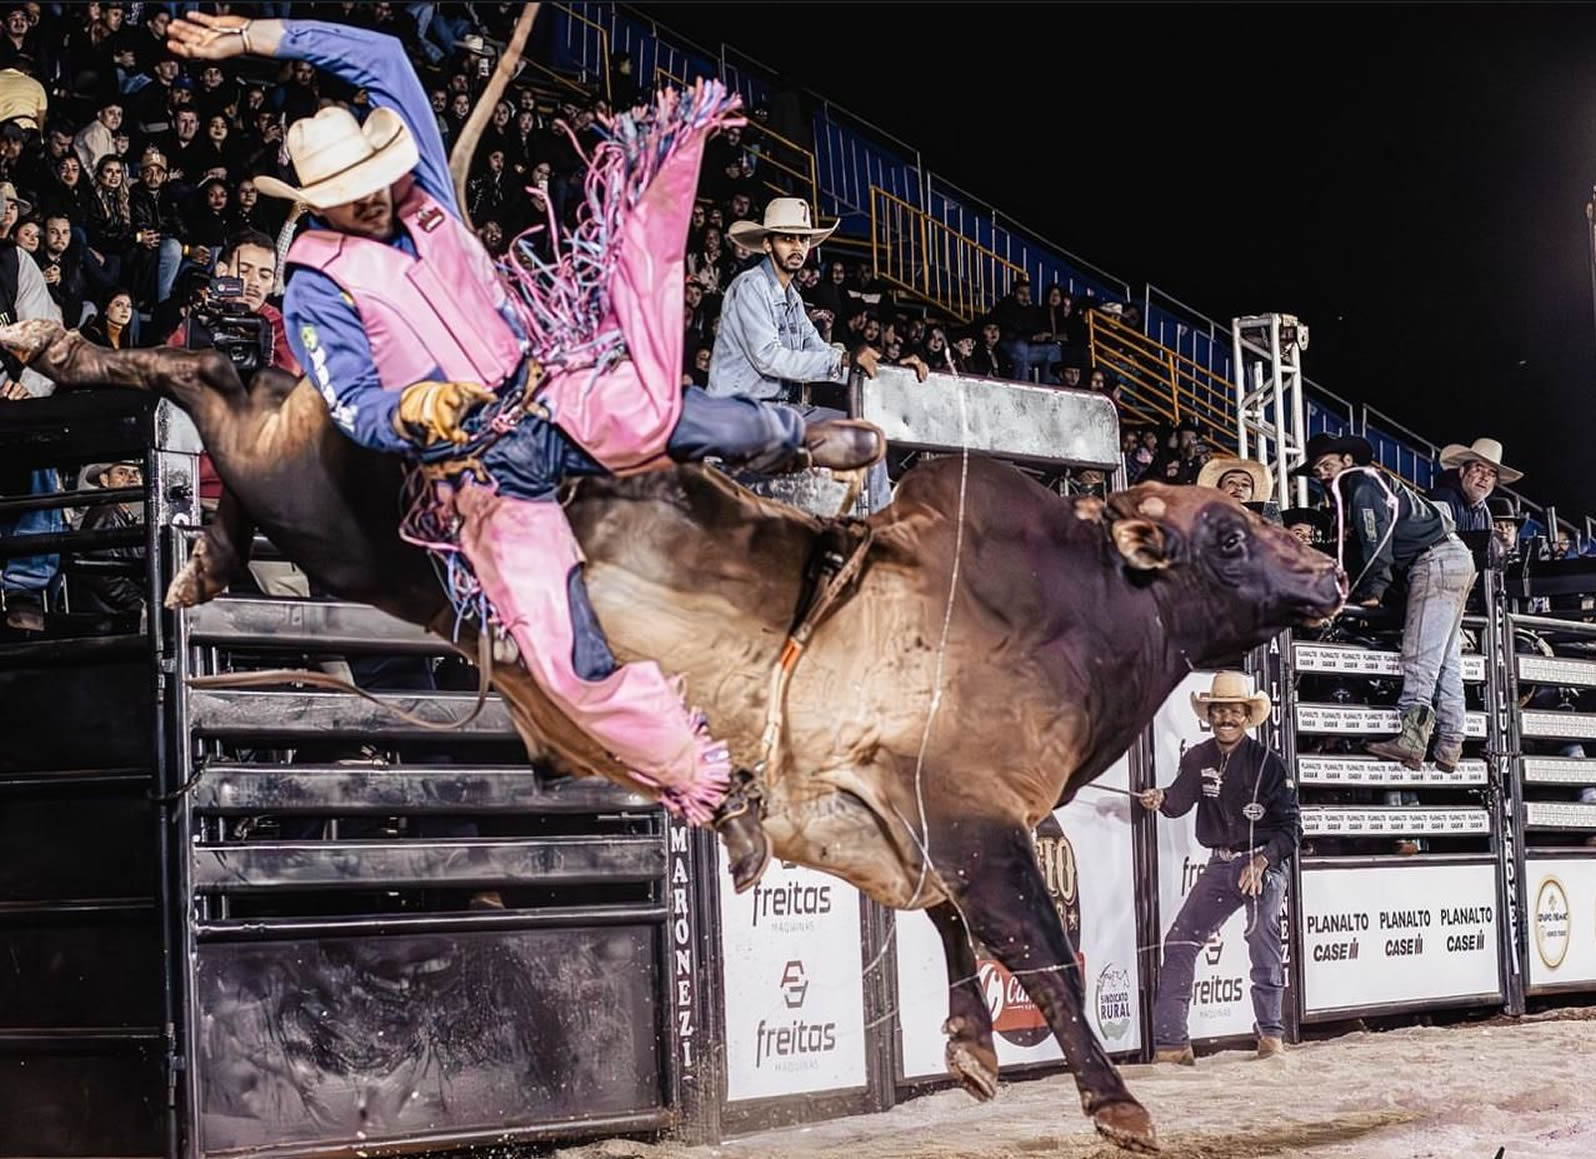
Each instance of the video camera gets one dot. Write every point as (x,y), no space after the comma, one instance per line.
(234,329)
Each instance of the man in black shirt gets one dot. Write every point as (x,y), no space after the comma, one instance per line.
(1394,533)
(1247,815)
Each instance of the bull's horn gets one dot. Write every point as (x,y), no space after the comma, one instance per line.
(471,133)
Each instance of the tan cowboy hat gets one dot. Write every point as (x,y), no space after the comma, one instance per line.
(1232,688)
(340,160)
(8,195)
(1488,451)
(782,215)
(1215,469)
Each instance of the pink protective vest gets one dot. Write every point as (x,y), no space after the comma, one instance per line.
(440,308)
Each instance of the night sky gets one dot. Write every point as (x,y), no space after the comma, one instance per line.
(1411,181)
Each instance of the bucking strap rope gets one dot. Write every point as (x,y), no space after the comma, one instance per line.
(272,677)
(835,574)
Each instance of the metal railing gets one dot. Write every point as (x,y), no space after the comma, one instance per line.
(914,252)
(1161,385)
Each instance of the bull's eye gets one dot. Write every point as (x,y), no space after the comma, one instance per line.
(1232,543)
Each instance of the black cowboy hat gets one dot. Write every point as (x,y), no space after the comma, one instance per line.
(1316,517)
(1323,444)
(1502,508)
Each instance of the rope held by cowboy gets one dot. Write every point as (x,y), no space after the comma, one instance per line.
(415,340)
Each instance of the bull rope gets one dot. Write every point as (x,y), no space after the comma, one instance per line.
(922,839)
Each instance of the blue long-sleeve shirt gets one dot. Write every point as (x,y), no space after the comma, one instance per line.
(323,323)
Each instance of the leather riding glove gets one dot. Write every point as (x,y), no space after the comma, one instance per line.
(431,412)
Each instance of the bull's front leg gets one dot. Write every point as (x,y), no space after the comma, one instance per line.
(991,870)
(218,558)
(970,1056)
(68,359)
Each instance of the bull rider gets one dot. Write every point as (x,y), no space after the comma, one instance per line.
(503,383)
(1247,817)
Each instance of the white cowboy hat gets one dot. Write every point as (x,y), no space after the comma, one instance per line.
(782,215)
(1232,688)
(340,160)
(1487,451)
(1215,469)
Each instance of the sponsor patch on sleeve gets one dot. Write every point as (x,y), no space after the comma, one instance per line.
(307,335)
(1371,527)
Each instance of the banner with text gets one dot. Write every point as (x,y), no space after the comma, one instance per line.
(1221,992)
(794,986)
(1377,935)
(1085,853)
(1562,907)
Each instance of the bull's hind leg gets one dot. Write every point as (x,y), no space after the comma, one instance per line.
(970,1056)
(991,868)
(219,556)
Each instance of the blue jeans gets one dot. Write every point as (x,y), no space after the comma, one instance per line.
(533,459)
(1211,901)
(1029,356)
(1432,652)
(33,573)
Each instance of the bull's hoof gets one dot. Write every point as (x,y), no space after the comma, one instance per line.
(201,579)
(973,1063)
(27,339)
(1127,1125)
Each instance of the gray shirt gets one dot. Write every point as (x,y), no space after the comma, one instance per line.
(766,339)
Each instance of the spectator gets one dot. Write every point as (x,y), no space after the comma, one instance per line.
(988,358)
(710,265)
(27,235)
(157,230)
(1311,525)
(209,221)
(1029,346)
(185,152)
(112,593)
(71,194)
(1472,474)
(22,99)
(112,326)
(61,263)
(98,137)
(109,220)
(36,169)
(152,104)
(15,208)
(1506,523)
(18,46)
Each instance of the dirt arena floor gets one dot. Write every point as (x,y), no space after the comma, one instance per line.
(1515,1089)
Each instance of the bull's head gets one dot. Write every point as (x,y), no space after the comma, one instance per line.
(1228,572)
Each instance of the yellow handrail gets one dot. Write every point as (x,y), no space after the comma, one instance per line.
(604,43)
(1158,384)
(912,250)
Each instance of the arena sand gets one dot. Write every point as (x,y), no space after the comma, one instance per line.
(1528,1087)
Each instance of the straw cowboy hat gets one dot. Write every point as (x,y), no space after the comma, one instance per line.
(341,161)
(1487,451)
(1215,469)
(782,215)
(1232,688)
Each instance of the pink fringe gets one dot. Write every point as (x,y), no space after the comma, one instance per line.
(697,799)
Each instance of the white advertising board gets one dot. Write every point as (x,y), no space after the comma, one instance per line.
(794,984)
(1087,861)
(1562,917)
(1376,935)
(1221,993)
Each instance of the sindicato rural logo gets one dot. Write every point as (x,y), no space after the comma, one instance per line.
(1551,922)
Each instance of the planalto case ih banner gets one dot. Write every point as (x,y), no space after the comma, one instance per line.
(1085,853)
(794,984)
(1394,934)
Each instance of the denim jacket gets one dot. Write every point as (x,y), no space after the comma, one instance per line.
(766,340)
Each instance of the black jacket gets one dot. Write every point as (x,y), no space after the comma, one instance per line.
(1419,527)
(1254,781)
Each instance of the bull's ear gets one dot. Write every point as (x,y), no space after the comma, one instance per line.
(1141,542)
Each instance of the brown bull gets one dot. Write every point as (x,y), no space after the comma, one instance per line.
(1070,624)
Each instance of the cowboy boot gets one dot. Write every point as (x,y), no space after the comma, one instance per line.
(1179,1055)
(1409,746)
(740,822)
(1270,1045)
(1448,752)
(840,444)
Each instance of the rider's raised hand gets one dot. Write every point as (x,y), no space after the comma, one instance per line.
(201,36)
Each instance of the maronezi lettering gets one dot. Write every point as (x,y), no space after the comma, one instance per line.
(791,899)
